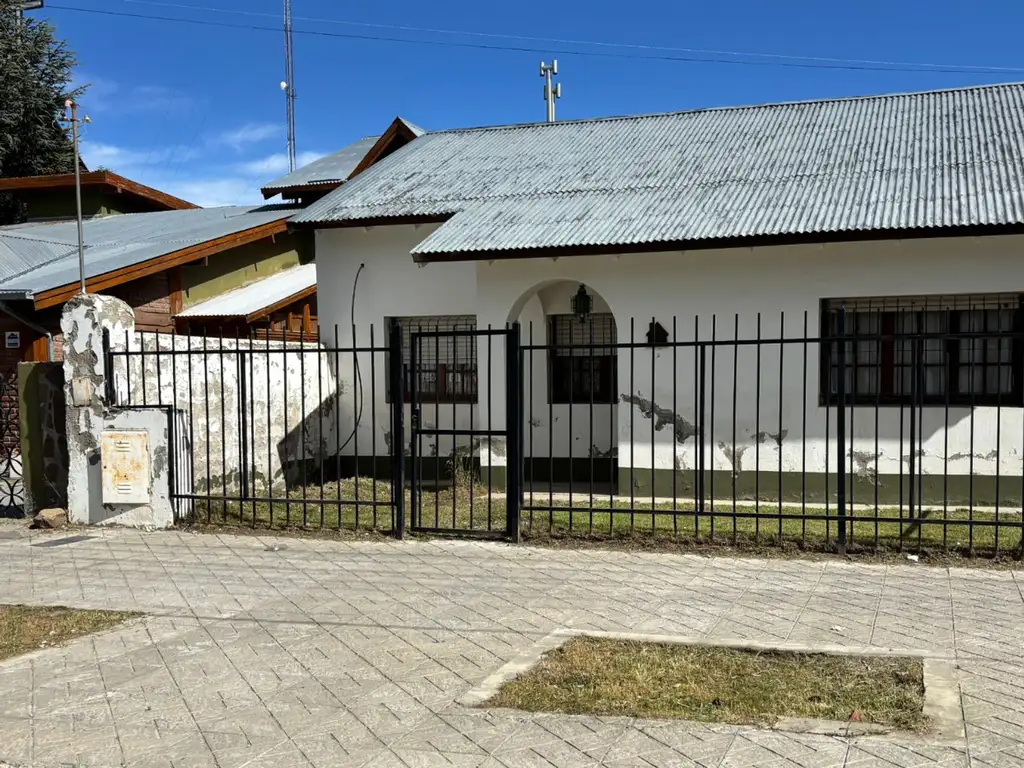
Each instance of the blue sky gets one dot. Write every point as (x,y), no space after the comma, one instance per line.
(198,111)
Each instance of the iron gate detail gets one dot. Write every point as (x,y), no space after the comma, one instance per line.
(453,490)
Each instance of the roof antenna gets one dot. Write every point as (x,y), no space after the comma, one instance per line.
(550,94)
(288,84)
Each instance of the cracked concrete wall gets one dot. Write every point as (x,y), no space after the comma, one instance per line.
(271,412)
(698,288)
(83,321)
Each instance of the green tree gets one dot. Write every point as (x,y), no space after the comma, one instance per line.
(35,80)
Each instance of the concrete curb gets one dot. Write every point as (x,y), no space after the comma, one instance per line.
(941,685)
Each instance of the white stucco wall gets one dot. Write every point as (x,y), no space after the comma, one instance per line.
(282,416)
(688,288)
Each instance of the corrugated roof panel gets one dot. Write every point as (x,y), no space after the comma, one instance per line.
(37,257)
(906,161)
(256,296)
(334,167)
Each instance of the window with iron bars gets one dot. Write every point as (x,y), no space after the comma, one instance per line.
(444,370)
(580,370)
(963,350)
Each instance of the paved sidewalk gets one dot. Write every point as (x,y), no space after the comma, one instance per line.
(331,653)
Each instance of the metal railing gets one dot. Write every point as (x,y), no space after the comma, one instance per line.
(745,431)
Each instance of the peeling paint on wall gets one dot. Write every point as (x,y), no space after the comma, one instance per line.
(663,417)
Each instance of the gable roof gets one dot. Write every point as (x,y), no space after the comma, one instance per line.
(905,162)
(259,298)
(39,261)
(335,169)
(113,181)
(330,170)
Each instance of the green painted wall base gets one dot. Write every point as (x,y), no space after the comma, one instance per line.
(817,488)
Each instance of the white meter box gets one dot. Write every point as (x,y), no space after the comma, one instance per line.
(125,456)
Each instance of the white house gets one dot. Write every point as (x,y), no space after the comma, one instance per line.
(731,224)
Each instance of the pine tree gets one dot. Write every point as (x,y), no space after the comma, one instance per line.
(35,80)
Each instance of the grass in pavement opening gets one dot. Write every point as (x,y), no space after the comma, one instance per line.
(26,628)
(614,677)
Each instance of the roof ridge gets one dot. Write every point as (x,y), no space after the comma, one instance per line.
(727,108)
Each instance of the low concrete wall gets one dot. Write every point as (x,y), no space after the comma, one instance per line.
(254,414)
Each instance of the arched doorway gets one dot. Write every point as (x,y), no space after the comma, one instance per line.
(570,390)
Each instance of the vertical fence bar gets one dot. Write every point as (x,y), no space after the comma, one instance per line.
(357,412)
(803,442)
(108,369)
(270,439)
(841,431)
(396,364)
(735,391)
(530,420)
(340,444)
(711,431)
(757,436)
(321,444)
(701,425)
(373,427)
(654,357)
(782,357)
(915,349)
(514,430)
(675,409)
(414,438)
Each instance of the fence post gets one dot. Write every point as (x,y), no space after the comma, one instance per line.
(513,431)
(841,429)
(108,369)
(396,372)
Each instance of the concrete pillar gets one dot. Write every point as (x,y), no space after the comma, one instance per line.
(89,417)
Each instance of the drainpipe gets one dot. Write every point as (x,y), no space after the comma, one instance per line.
(5,308)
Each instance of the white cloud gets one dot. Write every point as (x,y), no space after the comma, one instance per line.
(125,160)
(250,133)
(276,164)
(212,192)
(104,95)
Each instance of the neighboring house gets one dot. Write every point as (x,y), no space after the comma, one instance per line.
(52,198)
(751,221)
(160,263)
(280,306)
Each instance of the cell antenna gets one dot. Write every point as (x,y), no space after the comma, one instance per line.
(288,84)
(550,93)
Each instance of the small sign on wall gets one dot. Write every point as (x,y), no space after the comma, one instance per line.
(12,340)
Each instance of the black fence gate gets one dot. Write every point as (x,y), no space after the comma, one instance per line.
(452,490)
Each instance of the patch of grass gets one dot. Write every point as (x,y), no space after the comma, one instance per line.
(27,628)
(364,507)
(600,676)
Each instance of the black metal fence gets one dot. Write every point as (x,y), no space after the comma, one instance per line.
(873,429)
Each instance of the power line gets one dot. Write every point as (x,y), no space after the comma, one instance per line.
(561,41)
(534,49)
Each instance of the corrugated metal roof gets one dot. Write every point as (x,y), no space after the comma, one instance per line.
(332,168)
(906,161)
(251,298)
(37,257)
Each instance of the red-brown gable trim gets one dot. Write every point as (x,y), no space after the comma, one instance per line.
(97,178)
(395,137)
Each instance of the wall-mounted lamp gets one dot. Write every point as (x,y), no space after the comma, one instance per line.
(582,304)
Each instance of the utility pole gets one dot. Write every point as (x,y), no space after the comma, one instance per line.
(288,85)
(27,5)
(71,115)
(550,94)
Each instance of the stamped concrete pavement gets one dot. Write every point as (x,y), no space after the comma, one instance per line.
(353,653)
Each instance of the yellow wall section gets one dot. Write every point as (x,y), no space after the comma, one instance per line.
(240,266)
